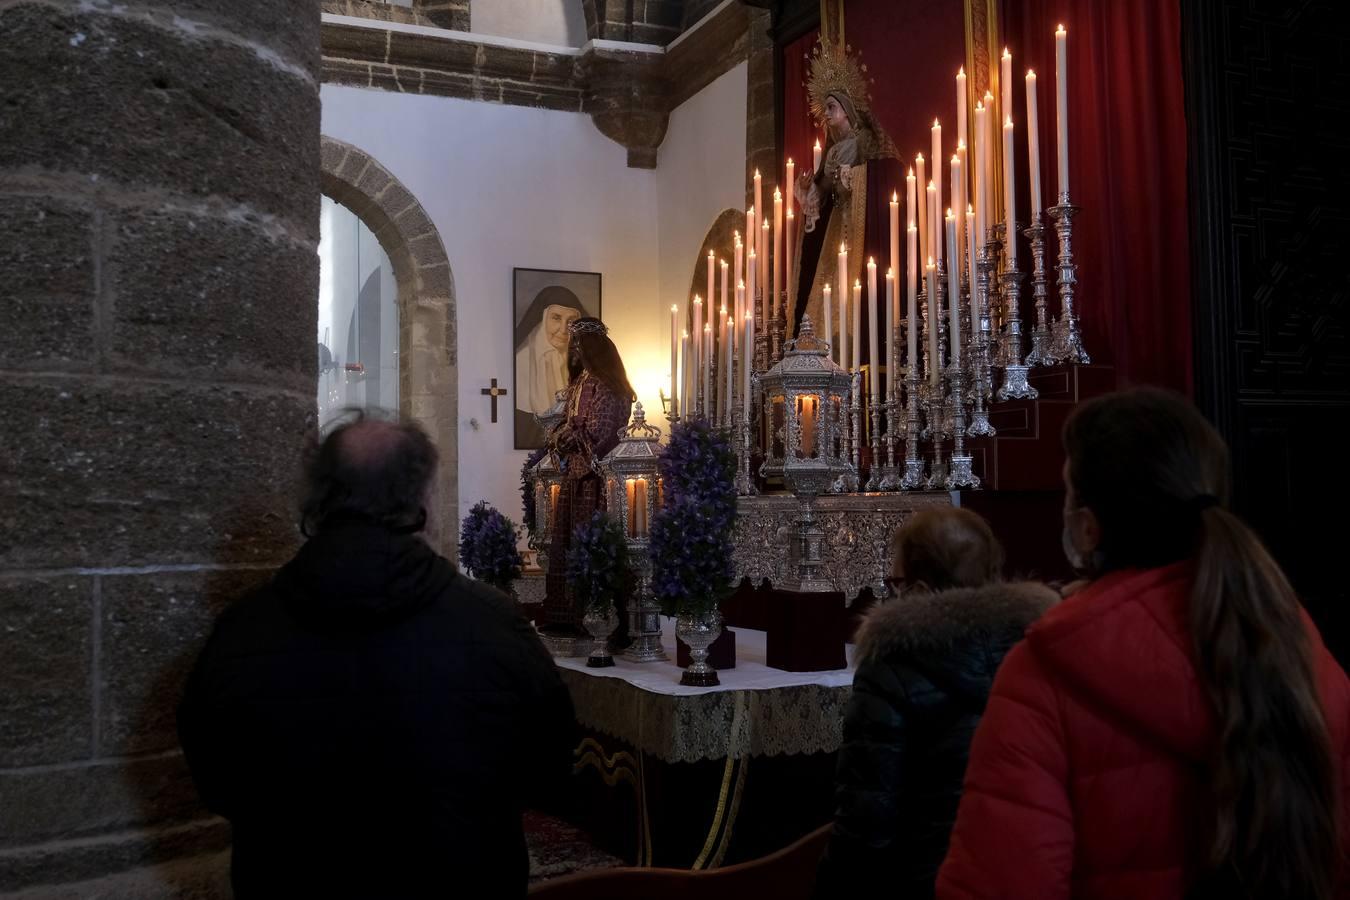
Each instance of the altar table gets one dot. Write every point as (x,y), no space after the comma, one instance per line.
(700,777)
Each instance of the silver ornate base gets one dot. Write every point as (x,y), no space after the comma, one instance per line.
(890,479)
(566,646)
(979,424)
(699,632)
(1015,386)
(913,479)
(1041,341)
(960,474)
(744,486)
(937,479)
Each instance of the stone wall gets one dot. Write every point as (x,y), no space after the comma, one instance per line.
(158,224)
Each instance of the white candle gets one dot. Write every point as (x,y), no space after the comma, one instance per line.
(912,293)
(924,243)
(961,106)
(751,274)
(791,171)
(747,354)
(738,271)
(970,262)
(686,377)
(930,284)
(960,201)
(982,211)
(828,314)
(954,259)
(777,248)
(712,284)
(723,366)
(815,157)
(934,222)
(765,276)
(1062,106)
(697,342)
(1033,145)
(911,214)
(991,153)
(674,357)
(873,359)
(953,291)
(936,176)
(707,366)
(1005,83)
(749,246)
(841,295)
(728,356)
(856,333)
(739,317)
(891,366)
(1009,194)
(790,283)
(759,202)
(726,282)
(895,232)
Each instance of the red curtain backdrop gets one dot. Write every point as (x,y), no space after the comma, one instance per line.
(1127,155)
(1127,148)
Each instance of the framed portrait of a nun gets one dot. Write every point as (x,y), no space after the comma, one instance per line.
(546,302)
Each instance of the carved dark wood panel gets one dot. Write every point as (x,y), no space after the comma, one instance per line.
(1268,96)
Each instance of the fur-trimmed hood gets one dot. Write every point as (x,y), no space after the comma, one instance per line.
(925,624)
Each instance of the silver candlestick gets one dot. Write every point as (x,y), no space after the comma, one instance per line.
(779,328)
(855,435)
(874,473)
(1041,336)
(982,380)
(745,485)
(913,479)
(1015,384)
(960,474)
(1068,342)
(938,427)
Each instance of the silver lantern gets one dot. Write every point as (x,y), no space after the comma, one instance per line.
(634,491)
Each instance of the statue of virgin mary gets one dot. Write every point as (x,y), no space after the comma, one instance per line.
(845,202)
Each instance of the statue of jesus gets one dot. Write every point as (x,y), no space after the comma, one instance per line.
(599,401)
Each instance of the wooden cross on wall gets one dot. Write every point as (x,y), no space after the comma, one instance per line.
(494,392)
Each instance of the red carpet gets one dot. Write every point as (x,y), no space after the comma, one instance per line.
(558,848)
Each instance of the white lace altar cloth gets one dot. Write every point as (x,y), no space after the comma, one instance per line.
(756,711)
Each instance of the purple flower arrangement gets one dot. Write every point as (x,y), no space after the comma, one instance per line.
(487,546)
(597,563)
(691,548)
(527,491)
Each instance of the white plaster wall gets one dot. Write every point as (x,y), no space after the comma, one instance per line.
(699,173)
(508,186)
(557,22)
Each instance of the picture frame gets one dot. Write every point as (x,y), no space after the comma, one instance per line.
(544,303)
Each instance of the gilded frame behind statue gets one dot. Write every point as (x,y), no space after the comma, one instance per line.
(544,302)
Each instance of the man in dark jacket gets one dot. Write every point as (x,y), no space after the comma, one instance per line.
(371,722)
(926,662)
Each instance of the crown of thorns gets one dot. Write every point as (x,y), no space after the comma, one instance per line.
(584,326)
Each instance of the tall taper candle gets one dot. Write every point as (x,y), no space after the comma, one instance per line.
(791,171)
(1062,106)
(738,272)
(752,270)
(873,359)
(1009,194)
(777,247)
(936,176)
(712,285)
(891,363)
(912,294)
(954,259)
(930,284)
(1033,145)
(828,315)
(982,210)
(911,192)
(924,243)
(895,232)
(815,157)
(961,107)
(707,366)
(727,302)
(747,358)
(934,220)
(788,253)
(963,190)
(696,345)
(759,207)
(750,244)
(729,357)
(765,271)
(971,272)
(723,365)
(841,297)
(953,292)
(1005,83)
(686,375)
(740,311)
(674,357)
(856,333)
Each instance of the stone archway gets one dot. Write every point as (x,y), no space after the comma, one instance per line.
(428,387)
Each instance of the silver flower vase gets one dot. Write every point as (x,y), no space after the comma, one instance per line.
(699,631)
(601,622)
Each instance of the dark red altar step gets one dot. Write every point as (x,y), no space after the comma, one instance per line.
(1025,454)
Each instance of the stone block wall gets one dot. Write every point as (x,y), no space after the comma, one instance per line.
(158,223)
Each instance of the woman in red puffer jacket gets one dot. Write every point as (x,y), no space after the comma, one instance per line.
(1174,729)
